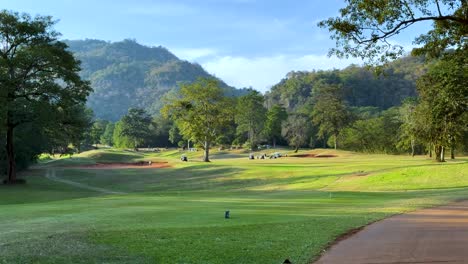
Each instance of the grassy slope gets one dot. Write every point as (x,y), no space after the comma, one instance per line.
(285,208)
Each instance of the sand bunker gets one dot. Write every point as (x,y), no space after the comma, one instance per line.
(135,165)
(313,156)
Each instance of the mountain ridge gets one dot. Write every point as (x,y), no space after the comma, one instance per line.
(127,74)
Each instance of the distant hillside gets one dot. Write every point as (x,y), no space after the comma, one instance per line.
(126,74)
(361,87)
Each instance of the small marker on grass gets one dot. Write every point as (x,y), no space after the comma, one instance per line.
(227,214)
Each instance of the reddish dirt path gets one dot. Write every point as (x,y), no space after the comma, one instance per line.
(436,235)
(137,165)
(313,156)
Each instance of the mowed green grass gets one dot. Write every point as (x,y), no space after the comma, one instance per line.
(281,208)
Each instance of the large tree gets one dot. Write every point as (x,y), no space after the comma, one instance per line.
(274,118)
(106,137)
(443,105)
(365,28)
(200,111)
(37,72)
(296,129)
(408,128)
(330,112)
(250,116)
(135,126)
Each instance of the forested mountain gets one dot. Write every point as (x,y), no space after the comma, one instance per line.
(126,74)
(361,87)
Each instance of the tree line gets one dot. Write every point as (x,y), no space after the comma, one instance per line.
(431,123)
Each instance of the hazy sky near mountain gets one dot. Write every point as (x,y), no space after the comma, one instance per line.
(244,42)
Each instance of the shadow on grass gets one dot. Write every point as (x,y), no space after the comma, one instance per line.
(38,189)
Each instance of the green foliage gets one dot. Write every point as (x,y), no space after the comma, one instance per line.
(364,28)
(329,113)
(41,88)
(200,111)
(373,135)
(409,128)
(250,116)
(135,126)
(97,130)
(160,132)
(121,141)
(174,134)
(361,87)
(296,129)
(274,119)
(443,102)
(106,137)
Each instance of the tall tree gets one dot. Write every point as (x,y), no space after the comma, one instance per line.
(200,111)
(97,130)
(250,116)
(443,95)
(135,125)
(296,130)
(36,72)
(274,118)
(365,28)
(106,137)
(329,113)
(408,129)
(174,135)
(119,140)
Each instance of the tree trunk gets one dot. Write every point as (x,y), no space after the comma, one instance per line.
(296,149)
(412,147)
(452,152)
(274,142)
(251,137)
(206,154)
(11,155)
(430,150)
(334,136)
(442,154)
(438,152)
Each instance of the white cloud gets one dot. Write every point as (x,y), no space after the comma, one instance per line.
(192,54)
(263,72)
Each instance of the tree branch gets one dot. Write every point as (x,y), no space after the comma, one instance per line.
(406,23)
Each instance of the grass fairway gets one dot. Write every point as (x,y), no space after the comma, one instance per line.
(281,208)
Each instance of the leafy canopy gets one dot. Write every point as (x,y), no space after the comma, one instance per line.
(136,126)
(39,82)
(330,112)
(443,90)
(365,28)
(296,129)
(200,111)
(274,119)
(250,116)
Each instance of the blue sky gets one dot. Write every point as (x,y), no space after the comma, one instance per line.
(244,42)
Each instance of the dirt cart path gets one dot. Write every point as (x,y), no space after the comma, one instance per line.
(436,235)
